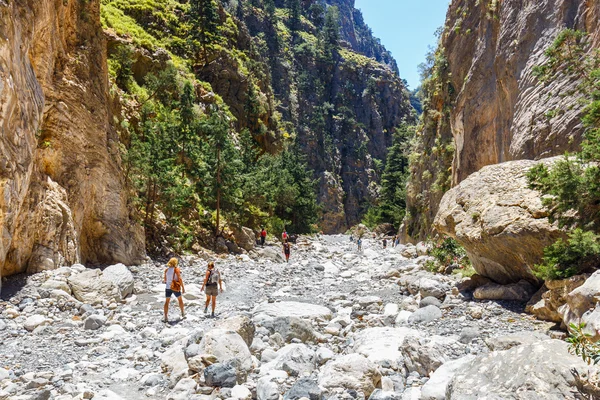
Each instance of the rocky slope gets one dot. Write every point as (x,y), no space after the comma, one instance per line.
(333,322)
(63,199)
(487,106)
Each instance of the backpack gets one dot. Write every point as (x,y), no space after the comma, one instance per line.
(175,283)
(214,277)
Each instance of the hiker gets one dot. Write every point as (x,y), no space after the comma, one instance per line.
(394,241)
(284,236)
(359,243)
(173,286)
(263,236)
(212,283)
(384,243)
(286,250)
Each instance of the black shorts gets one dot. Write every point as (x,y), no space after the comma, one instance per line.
(169,292)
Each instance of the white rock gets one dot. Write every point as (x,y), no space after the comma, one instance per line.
(351,371)
(34,321)
(120,275)
(241,392)
(293,309)
(435,388)
(382,345)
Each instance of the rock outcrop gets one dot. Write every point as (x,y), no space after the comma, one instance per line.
(490,107)
(64,197)
(492,214)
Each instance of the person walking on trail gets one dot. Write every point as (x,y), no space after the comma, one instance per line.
(212,283)
(263,236)
(173,286)
(359,243)
(394,241)
(284,236)
(384,243)
(286,250)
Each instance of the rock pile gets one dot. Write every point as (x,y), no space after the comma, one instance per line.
(335,323)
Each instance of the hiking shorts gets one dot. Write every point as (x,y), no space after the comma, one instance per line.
(169,292)
(212,290)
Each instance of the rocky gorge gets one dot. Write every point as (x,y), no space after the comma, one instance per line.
(334,323)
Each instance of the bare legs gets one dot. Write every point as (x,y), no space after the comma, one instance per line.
(167,301)
(166,307)
(214,303)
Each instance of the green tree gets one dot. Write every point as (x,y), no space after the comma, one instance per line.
(330,39)
(295,13)
(205,22)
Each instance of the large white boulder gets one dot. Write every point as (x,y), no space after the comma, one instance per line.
(120,275)
(435,388)
(352,371)
(382,345)
(228,345)
(293,309)
(91,287)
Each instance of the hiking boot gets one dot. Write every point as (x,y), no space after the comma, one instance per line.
(212,314)
(205,310)
(165,320)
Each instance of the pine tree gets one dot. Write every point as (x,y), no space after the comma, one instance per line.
(331,35)
(295,11)
(204,17)
(270,9)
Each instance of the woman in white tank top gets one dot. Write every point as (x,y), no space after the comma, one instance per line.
(173,286)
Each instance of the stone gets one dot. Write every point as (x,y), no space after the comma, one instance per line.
(382,345)
(351,371)
(432,288)
(511,228)
(226,346)
(521,291)
(221,375)
(323,354)
(267,388)
(475,312)
(52,284)
(185,388)
(435,388)
(425,314)
(424,355)
(292,328)
(468,334)
(244,237)
(120,275)
(174,364)
(240,324)
(304,388)
(293,309)
(402,317)
(430,301)
(91,287)
(534,371)
(469,284)
(34,321)
(582,306)
(553,295)
(241,392)
(295,359)
(94,322)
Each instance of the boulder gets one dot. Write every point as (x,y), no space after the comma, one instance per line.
(228,345)
(120,275)
(425,314)
(435,387)
(52,284)
(499,220)
(471,283)
(552,295)
(94,322)
(174,364)
(585,297)
(521,291)
(382,345)
(221,375)
(425,355)
(380,394)
(352,371)
(535,371)
(241,392)
(244,237)
(293,309)
(295,359)
(91,287)
(240,324)
(304,388)
(267,387)
(34,321)
(292,328)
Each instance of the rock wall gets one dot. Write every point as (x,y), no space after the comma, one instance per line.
(496,110)
(60,174)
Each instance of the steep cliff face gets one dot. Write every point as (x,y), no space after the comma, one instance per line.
(490,102)
(63,199)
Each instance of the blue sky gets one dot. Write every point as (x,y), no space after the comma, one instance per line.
(406,28)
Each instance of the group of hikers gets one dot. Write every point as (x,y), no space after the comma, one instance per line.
(395,241)
(212,284)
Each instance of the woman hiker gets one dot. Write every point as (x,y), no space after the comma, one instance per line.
(212,279)
(286,250)
(173,286)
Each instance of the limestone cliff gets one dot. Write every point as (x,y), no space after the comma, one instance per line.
(63,194)
(488,106)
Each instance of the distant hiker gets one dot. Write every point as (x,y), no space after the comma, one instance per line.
(263,236)
(397,240)
(351,238)
(359,243)
(384,243)
(394,241)
(286,251)
(212,283)
(173,286)
(284,236)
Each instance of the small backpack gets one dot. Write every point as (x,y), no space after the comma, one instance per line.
(214,277)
